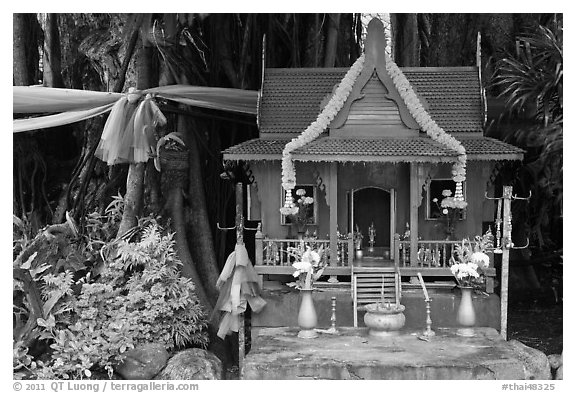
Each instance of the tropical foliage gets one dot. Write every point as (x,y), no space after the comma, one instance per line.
(530,81)
(129,292)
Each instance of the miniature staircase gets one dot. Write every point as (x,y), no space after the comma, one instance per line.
(374,285)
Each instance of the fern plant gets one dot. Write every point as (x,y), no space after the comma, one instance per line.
(133,294)
(139,297)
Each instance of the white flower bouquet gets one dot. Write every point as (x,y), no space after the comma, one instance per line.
(451,209)
(300,214)
(468,263)
(309,265)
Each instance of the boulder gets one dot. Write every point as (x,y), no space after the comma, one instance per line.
(195,363)
(555,361)
(535,362)
(143,362)
(560,373)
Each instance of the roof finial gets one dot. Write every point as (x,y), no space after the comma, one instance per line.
(375,45)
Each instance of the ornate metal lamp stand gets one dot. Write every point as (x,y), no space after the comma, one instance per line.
(332,329)
(428,332)
(333,317)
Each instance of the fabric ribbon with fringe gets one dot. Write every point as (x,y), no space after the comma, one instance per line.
(238,286)
(128,134)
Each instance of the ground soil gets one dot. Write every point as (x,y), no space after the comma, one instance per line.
(537,325)
(536,303)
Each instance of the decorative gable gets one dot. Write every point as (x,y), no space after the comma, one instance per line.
(374,114)
(374,107)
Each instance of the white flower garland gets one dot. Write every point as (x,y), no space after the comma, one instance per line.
(429,125)
(336,103)
(314,130)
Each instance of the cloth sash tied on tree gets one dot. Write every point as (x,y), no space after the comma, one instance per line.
(77,105)
(238,286)
(128,134)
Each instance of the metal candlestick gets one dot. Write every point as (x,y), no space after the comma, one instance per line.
(332,329)
(333,317)
(428,332)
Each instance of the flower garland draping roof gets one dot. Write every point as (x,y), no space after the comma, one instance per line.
(313,131)
(415,107)
(428,125)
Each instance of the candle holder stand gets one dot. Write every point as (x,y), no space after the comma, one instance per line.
(428,332)
(332,329)
(333,316)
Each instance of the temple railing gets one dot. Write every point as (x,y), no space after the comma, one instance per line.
(432,260)
(273,256)
(431,253)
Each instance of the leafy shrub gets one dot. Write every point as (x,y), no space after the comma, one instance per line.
(135,296)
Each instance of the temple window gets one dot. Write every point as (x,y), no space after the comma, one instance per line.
(435,193)
(302,194)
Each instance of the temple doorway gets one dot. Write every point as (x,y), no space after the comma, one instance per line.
(373,207)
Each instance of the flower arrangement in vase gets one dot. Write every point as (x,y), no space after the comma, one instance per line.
(451,209)
(309,265)
(301,214)
(469,261)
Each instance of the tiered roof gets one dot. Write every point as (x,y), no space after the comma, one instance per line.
(380,149)
(291,97)
(374,124)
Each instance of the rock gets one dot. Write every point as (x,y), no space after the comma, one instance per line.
(555,361)
(560,373)
(535,362)
(98,375)
(192,363)
(143,362)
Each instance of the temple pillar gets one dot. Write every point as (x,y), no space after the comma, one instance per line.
(333,196)
(415,195)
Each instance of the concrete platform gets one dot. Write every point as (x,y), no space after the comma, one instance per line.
(277,353)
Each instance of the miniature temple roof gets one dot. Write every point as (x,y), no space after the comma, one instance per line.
(291,97)
(374,123)
(422,149)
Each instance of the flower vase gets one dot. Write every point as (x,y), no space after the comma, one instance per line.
(466,316)
(307,318)
(297,231)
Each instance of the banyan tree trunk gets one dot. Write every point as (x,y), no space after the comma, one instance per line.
(176,208)
(133,200)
